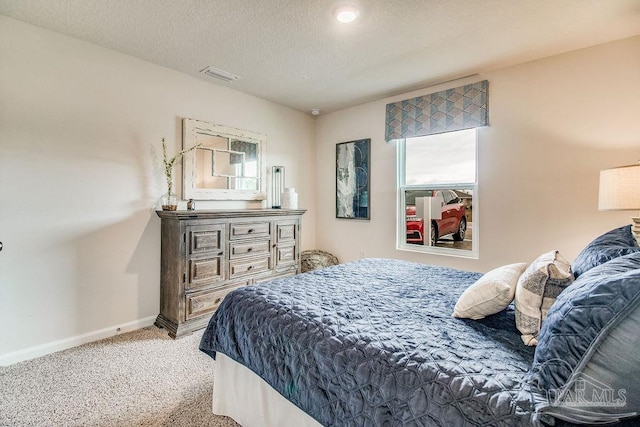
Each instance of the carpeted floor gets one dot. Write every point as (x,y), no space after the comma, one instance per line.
(141,378)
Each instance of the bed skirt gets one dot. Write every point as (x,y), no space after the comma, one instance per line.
(242,395)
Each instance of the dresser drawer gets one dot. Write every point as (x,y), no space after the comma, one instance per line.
(241,267)
(257,247)
(202,239)
(291,270)
(205,271)
(241,230)
(286,231)
(205,302)
(286,254)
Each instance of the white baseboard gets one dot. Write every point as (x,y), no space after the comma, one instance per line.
(52,347)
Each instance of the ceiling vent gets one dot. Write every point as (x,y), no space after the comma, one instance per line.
(220,74)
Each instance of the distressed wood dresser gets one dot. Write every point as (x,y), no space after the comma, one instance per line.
(207,254)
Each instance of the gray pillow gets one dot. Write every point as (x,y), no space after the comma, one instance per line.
(587,363)
(610,245)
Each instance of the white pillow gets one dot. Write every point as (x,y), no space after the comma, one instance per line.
(490,294)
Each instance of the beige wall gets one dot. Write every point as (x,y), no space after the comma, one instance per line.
(80,130)
(554,124)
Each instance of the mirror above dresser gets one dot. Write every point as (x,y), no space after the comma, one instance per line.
(228,163)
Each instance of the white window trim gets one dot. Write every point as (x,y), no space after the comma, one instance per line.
(401,225)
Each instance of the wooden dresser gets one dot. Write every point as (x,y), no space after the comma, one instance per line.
(207,254)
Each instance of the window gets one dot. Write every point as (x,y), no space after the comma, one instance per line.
(437,194)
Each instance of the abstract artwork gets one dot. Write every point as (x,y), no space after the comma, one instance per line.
(352,179)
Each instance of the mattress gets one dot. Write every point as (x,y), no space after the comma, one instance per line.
(242,395)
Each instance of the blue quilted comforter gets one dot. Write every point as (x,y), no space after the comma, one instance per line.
(373,343)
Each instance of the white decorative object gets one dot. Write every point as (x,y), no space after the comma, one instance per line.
(289,198)
(620,190)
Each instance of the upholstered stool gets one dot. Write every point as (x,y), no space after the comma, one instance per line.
(315,259)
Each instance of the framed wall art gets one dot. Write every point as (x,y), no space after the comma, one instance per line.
(352,179)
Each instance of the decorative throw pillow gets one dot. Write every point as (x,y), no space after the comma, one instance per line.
(610,245)
(537,289)
(587,362)
(492,293)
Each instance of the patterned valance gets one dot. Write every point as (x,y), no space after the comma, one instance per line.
(464,107)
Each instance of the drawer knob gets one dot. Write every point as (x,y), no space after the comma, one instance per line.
(250,230)
(250,267)
(249,249)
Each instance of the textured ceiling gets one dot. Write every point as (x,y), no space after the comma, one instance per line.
(293,52)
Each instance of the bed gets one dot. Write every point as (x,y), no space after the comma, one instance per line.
(373,342)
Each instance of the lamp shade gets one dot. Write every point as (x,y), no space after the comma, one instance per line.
(620,188)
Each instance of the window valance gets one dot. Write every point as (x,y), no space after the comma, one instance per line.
(463,107)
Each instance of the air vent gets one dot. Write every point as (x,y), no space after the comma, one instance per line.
(220,74)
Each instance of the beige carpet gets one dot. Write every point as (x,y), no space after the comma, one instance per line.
(141,378)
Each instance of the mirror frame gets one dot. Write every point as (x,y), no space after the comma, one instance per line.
(190,130)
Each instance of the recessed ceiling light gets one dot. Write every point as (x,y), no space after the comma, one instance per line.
(346,14)
(315,111)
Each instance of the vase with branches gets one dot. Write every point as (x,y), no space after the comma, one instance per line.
(170,200)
